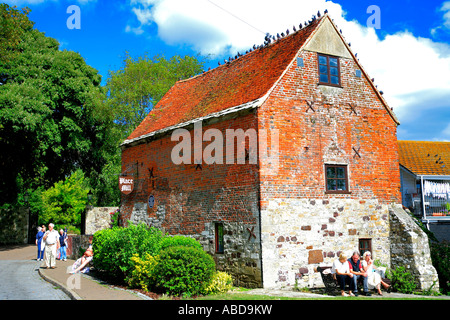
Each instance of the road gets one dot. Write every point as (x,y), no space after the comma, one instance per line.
(19,277)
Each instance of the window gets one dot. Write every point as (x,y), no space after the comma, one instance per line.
(336,178)
(365,245)
(219,238)
(329,73)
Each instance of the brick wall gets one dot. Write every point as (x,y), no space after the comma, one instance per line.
(189,200)
(301,225)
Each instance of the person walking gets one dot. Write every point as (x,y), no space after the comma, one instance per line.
(40,247)
(62,245)
(51,239)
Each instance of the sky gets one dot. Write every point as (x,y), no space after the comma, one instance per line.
(404,45)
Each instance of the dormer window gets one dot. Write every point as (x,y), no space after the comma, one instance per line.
(329,73)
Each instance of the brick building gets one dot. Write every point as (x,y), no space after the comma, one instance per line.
(326,172)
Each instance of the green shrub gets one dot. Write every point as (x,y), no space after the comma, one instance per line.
(184,270)
(173,241)
(113,248)
(402,281)
(221,282)
(440,255)
(142,275)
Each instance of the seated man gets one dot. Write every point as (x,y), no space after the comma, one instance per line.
(358,272)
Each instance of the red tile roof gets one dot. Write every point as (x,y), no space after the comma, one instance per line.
(243,80)
(425,157)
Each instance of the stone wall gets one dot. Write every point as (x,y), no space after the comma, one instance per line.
(77,245)
(14,226)
(98,218)
(299,235)
(410,248)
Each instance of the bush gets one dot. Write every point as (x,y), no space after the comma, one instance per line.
(440,255)
(114,248)
(221,282)
(402,281)
(173,241)
(184,270)
(142,275)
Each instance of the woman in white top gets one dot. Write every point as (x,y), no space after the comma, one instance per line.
(374,278)
(341,268)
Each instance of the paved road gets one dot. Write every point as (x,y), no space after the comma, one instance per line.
(20,280)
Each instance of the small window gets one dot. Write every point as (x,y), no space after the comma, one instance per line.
(329,73)
(365,245)
(219,238)
(336,178)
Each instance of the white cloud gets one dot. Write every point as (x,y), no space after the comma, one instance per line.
(218,26)
(446,8)
(412,71)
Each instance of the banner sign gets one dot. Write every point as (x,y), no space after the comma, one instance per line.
(126,184)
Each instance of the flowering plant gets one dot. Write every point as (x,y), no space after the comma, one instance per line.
(115,218)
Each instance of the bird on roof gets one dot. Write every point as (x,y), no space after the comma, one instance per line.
(318,13)
(293,28)
(287,31)
(326,11)
(300,26)
(278,36)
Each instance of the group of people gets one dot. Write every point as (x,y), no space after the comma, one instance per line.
(51,243)
(350,270)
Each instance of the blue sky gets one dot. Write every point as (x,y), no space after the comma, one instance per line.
(409,55)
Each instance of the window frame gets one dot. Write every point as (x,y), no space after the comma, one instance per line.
(369,242)
(328,70)
(347,187)
(219,239)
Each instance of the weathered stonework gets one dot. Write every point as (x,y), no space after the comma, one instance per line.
(298,235)
(98,218)
(410,249)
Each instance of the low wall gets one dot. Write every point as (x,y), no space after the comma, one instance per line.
(410,249)
(77,245)
(99,218)
(14,226)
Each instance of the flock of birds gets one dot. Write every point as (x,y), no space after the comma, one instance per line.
(269,38)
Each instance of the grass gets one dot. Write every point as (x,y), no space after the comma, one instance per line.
(242,294)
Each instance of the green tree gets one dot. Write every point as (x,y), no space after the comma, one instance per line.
(134,89)
(51,117)
(13,23)
(65,201)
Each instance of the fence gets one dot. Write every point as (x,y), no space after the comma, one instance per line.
(436,198)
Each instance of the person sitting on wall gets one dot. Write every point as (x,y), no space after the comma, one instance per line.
(80,264)
(358,273)
(341,268)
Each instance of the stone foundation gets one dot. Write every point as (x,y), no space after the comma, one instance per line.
(298,235)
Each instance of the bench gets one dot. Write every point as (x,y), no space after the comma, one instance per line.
(331,284)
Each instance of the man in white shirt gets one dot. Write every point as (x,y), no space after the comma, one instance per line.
(51,239)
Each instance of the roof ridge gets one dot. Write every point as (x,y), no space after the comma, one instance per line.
(269,41)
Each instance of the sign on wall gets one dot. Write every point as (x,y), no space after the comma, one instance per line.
(151,201)
(126,184)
